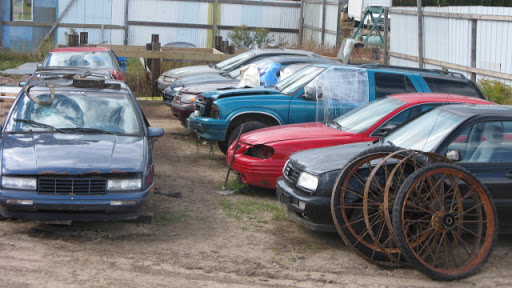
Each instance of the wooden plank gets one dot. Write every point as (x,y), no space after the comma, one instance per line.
(207,26)
(478,71)
(206,57)
(328,31)
(453,15)
(63,25)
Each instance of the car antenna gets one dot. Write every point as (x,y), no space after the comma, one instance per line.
(224,190)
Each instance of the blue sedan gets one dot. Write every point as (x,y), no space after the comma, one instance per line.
(76,150)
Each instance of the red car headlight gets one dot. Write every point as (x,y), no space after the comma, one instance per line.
(260,151)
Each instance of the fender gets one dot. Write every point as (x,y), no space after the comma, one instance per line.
(263,111)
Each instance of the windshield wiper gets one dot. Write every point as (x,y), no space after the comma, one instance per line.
(338,126)
(38,124)
(91,130)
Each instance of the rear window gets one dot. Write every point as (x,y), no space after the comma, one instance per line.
(450,86)
(390,83)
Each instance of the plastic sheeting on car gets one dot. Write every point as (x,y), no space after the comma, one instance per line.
(337,91)
(249,76)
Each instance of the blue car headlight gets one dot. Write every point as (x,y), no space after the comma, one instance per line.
(124,184)
(19,183)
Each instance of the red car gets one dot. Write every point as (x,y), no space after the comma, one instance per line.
(263,153)
(94,58)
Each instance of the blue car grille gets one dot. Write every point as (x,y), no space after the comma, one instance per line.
(72,186)
(291,174)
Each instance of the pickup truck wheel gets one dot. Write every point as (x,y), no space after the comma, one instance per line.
(223,147)
(248,126)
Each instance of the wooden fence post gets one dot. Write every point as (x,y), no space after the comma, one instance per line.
(338,27)
(84,38)
(218,42)
(155,63)
(473,48)
(301,23)
(386,56)
(324,4)
(420,34)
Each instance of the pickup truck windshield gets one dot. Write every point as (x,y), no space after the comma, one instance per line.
(294,82)
(105,112)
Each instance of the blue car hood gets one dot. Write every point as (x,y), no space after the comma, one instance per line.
(321,160)
(69,153)
(214,95)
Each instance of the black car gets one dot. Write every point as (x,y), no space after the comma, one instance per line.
(76,149)
(477,137)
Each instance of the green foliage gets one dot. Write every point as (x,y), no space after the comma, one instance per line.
(10,59)
(243,38)
(496,91)
(442,3)
(166,217)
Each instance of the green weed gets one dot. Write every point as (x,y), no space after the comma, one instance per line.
(496,91)
(165,217)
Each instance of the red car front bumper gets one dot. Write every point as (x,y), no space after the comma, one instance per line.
(254,171)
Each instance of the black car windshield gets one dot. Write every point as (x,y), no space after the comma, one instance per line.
(76,111)
(294,82)
(229,64)
(90,59)
(425,132)
(362,118)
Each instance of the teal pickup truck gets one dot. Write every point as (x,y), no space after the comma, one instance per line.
(219,114)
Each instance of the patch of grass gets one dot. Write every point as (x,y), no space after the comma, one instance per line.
(253,210)
(10,59)
(135,77)
(165,217)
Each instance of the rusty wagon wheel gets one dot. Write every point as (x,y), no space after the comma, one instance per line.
(347,208)
(382,186)
(453,213)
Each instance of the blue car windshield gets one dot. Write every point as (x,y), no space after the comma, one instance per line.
(76,111)
(427,131)
(296,81)
(362,118)
(229,64)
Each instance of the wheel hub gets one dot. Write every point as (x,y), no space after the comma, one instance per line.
(448,221)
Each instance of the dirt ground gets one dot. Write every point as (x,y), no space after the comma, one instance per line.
(199,238)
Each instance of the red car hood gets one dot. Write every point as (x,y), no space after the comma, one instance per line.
(291,132)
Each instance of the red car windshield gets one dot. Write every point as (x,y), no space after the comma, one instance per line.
(362,118)
(89,59)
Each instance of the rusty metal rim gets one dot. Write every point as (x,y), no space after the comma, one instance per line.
(486,247)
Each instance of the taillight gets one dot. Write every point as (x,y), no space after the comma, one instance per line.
(150,174)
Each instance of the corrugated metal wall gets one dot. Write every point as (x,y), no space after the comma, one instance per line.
(148,17)
(449,39)
(313,14)
(175,12)
(23,38)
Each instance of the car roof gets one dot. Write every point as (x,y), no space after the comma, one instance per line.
(416,98)
(293,58)
(80,49)
(67,84)
(470,110)
(284,51)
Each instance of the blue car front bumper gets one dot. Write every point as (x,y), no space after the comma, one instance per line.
(31,205)
(208,128)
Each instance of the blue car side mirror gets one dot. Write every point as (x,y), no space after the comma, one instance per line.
(155,132)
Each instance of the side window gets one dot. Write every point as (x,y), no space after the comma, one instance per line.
(451,86)
(21,10)
(485,142)
(390,83)
(405,115)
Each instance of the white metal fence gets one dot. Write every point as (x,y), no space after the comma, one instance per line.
(321,21)
(473,40)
